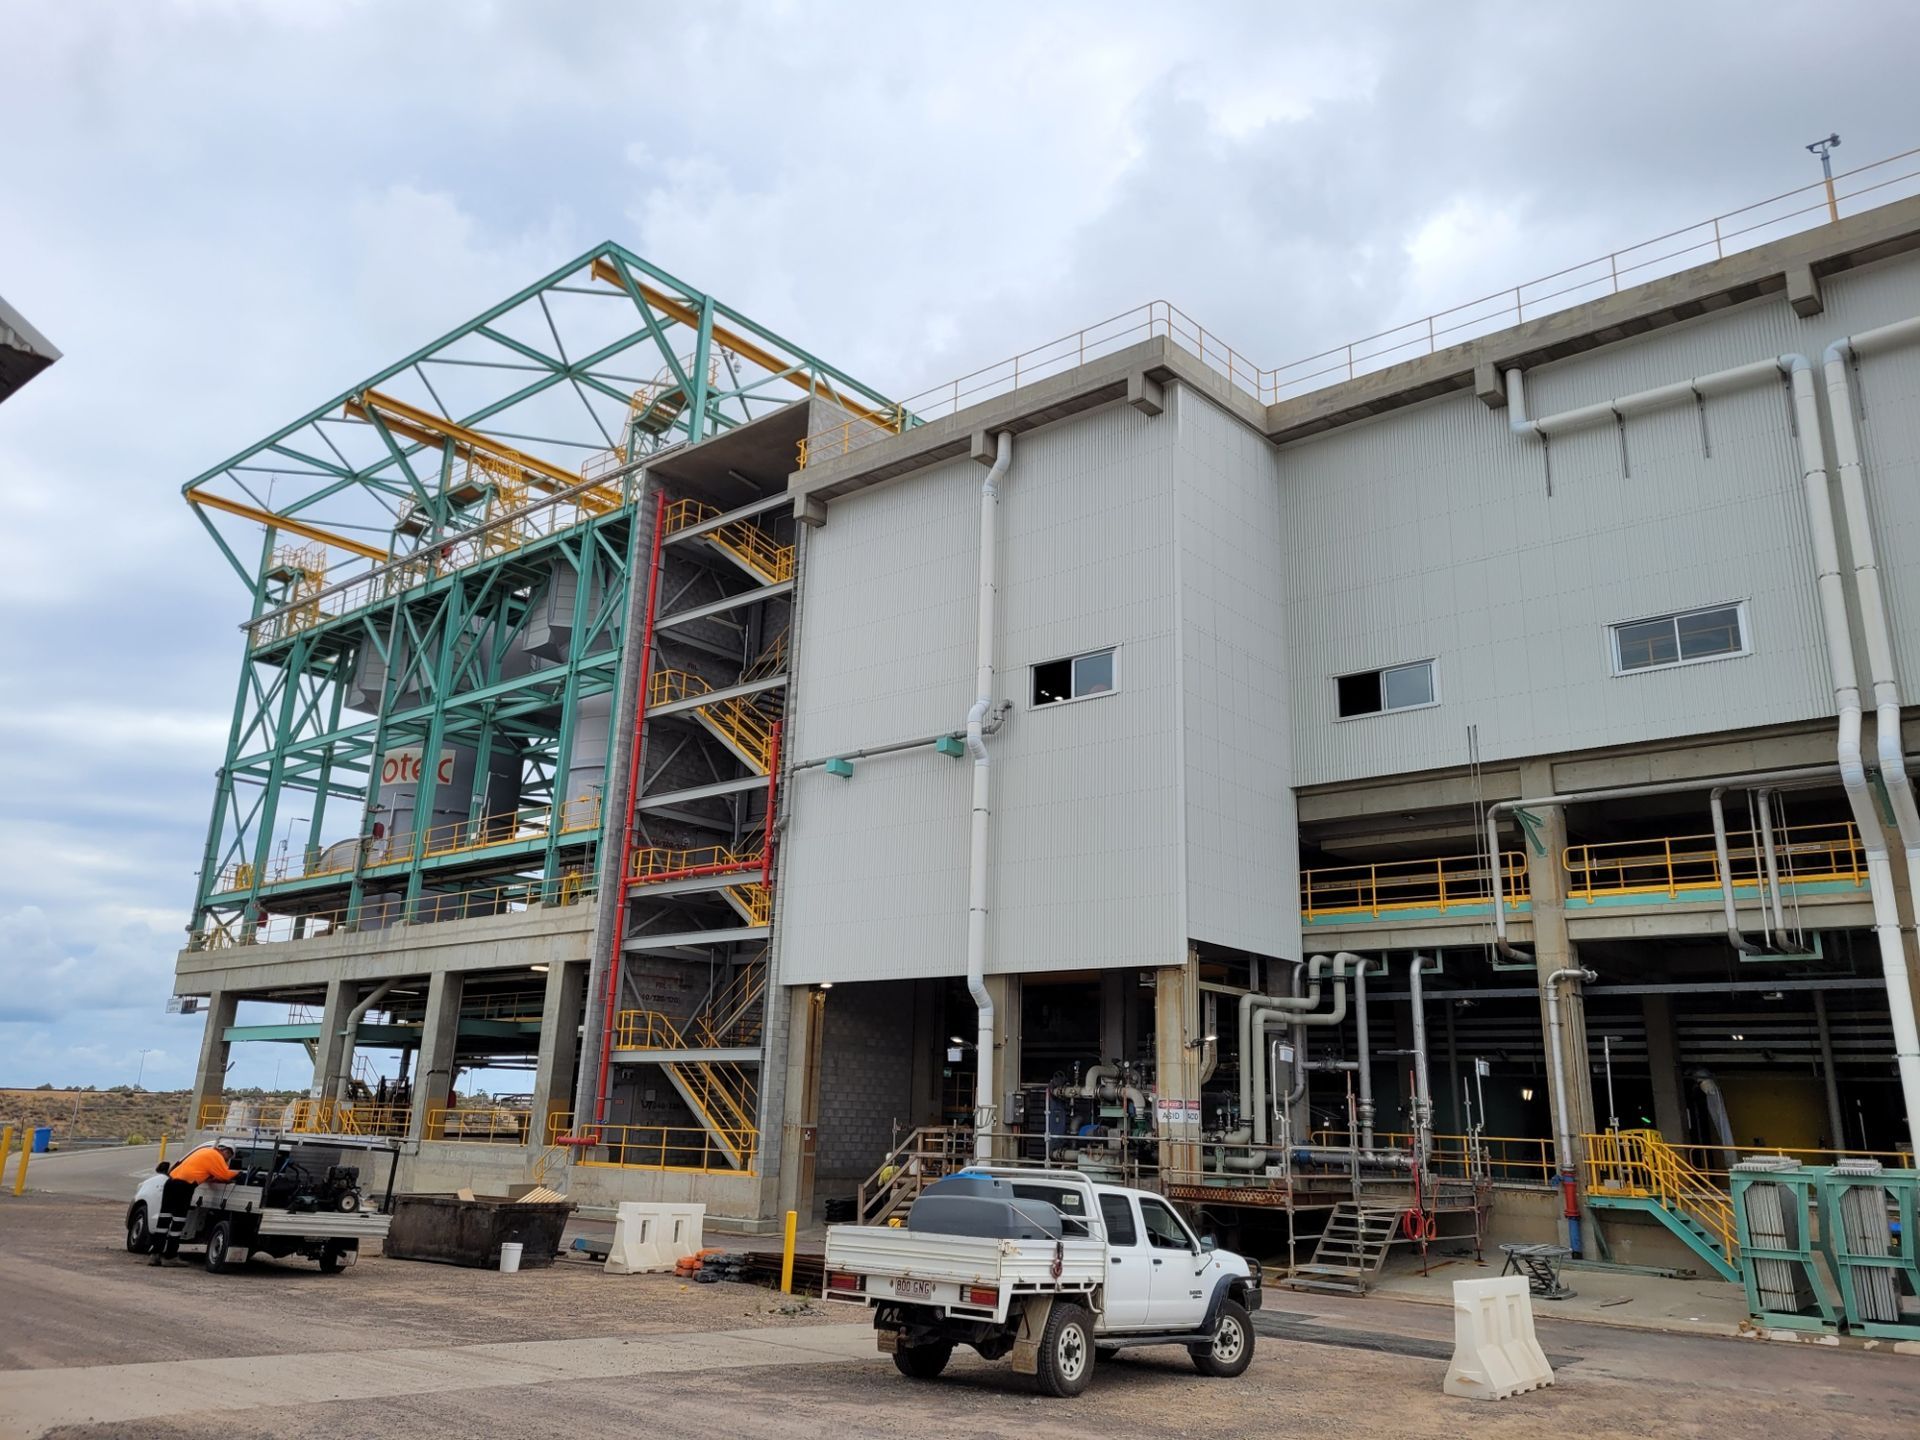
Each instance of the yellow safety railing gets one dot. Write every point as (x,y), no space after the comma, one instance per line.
(1715,1160)
(1444,883)
(755,902)
(375,912)
(1641,1165)
(747,543)
(734,1016)
(499,531)
(309,1117)
(1674,864)
(479,1125)
(738,718)
(1504,1159)
(1710,239)
(654,862)
(684,1148)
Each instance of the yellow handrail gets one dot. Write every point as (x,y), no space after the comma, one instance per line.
(746,542)
(1804,853)
(1445,882)
(1641,1165)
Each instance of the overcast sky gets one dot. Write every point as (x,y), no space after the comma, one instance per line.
(224,213)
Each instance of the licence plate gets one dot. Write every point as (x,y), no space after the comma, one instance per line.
(913,1289)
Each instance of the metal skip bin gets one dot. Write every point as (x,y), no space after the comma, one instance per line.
(451,1230)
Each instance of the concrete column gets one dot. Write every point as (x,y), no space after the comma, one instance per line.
(439,1039)
(328,1048)
(1177,1063)
(1663,1055)
(929,1050)
(1007,993)
(560,1017)
(806,1017)
(1546,878)
(210,1078)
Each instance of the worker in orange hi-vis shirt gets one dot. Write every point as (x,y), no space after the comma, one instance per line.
(209,1162)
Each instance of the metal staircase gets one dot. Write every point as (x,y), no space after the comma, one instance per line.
(740,722)
(744,543)
(1351,1249)
(924,1156)
(723,1094)
(1639,1170)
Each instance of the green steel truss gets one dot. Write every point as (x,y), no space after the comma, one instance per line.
(350,658)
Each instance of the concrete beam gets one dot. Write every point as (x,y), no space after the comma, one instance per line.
(1803,292)
(439,1047)
(1146,394)
(715,608)
(1489,385)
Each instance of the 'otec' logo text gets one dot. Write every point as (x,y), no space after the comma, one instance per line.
(402,767)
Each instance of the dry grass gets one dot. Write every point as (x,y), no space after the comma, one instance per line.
(120,1114)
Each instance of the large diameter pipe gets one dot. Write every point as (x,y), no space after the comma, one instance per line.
(1716,804)
(1296,1021)
(1365,1067)
(983,798)
(344,1076)
(1876,632)
(1422,1094)
(1564,1124)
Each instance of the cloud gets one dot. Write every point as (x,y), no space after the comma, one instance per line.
(227,213)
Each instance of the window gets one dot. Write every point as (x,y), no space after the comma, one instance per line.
(1164,1230)
(1399,687)
(1075,678)
(1680,639)
(1118,1213)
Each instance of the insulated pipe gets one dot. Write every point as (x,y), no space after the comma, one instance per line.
(1886,687)
(983,800)
(1774,933)
(1251,1003)
(1720,382)
(1422,1095)
(1716,804)
(1806,774)
(345,1074)
(1297,1022)
(1565,1125)
(1365,1066)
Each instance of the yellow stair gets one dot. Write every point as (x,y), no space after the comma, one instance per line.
(742,542)
(739,722)
(722,1095)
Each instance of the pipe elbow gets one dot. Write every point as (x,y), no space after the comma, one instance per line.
(976,729)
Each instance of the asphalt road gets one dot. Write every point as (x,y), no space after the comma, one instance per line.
(93,1343)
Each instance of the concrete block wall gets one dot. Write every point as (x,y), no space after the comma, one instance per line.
(866,1077)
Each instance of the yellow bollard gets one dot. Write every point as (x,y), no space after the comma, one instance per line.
(26,1148)
(6,1148)
(163,1150)
(786,1254)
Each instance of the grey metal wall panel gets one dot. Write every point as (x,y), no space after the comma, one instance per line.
(1430,533)
(1086,867)
(1241,858)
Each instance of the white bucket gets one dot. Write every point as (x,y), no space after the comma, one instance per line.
(510,1257)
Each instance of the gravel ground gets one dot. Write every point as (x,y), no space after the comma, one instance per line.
(1366,1369)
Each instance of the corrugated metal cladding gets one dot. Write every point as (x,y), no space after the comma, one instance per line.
(1242,860)
(1431,533)
(1086,795)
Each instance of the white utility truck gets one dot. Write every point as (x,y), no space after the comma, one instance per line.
(296,1195)
(1046,1266)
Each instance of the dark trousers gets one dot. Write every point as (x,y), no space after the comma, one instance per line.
(175,1197)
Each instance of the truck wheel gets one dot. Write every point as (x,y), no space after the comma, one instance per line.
(330,1260)
(923,1362)
(139,1232)
(1232,1349)
(1066,1351)
(220,1247)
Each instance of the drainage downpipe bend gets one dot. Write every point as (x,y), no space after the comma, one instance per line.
(977,860)
(1716,804)
(349,1044)
(1886,694)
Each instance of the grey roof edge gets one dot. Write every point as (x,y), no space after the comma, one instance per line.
(11,320)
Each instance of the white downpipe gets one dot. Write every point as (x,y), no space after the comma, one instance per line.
(348,1045)
(983,801)
(1701,387)
(1716,804)
(1876,634)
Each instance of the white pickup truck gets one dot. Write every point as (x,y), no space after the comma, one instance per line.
(1048,1267)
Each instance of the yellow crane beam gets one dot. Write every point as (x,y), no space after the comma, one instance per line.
(603,269)
(426,428)
(285,523)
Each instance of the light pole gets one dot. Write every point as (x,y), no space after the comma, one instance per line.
(1824,149)
(286,839)
(141,1073)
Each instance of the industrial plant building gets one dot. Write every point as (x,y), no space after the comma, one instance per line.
(1472,769)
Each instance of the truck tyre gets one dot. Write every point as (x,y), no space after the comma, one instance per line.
(139,1231)
(220,1247)
(923,1362)
(330,1259)
(1232,1349)
(1066,1351)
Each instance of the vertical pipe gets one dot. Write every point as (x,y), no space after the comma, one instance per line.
(1366,1056)
(1422,1098)
(1836,1122)
(1564,1125)
(1779,923)
(1717,806)
(977,859)
(773,784)
(616,960)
